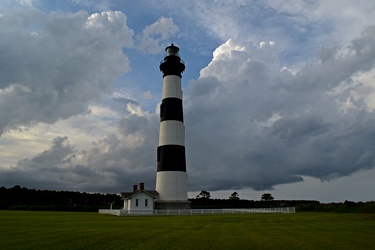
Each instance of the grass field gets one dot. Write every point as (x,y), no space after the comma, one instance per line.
(64,230)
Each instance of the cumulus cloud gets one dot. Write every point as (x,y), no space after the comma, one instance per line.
(152,38)
(54,65)
(272,126)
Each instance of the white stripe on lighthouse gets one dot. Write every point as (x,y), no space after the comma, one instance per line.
(172,133)
(172,87)
(172,185)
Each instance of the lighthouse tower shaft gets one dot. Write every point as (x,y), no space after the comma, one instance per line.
(171,177)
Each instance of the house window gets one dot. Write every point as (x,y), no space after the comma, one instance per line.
(136,202)
(146,202)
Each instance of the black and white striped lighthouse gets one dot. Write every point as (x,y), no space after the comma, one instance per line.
(171,177)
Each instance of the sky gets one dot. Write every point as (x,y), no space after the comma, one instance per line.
(279,96)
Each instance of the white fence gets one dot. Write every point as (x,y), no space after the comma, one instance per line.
(198,211)
(110,211)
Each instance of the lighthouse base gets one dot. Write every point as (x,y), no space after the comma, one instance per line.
(164,205)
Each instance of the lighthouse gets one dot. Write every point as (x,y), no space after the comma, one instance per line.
(171,176)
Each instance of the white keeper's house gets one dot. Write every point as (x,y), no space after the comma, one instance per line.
(140,199)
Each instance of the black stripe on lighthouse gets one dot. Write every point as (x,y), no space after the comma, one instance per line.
(171,158)
(171,109)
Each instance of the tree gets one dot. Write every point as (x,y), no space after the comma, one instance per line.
(266,197)
(203,194)
(234,196)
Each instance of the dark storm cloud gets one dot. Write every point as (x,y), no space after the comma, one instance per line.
(112,164)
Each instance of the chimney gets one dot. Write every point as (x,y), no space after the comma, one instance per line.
(141,186)
(135,188)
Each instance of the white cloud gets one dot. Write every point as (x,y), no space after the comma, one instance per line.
(16,3)
(153,37)
(147,95)
(25,2)
(235,53)
(136,110)
(334,21)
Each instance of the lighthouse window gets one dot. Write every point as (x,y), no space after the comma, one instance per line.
(136,202)
(172,51)
(146,202)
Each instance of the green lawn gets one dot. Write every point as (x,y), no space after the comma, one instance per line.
(60,230)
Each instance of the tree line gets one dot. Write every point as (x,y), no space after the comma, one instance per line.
(203,200)
(21,198)
(234,196)
(236,202)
